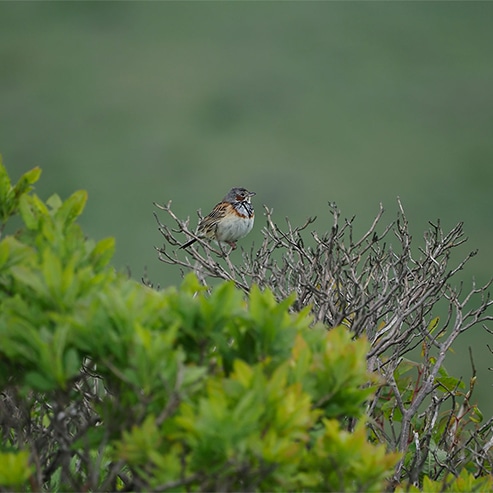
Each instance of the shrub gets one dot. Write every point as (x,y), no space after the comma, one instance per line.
(107,384)
(401,297)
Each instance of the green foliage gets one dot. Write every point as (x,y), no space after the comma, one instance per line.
(259,428)
(15,469)
(107,384)
(11,195)
(463,483)
(48,275)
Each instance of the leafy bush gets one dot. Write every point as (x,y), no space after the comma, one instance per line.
(107,384)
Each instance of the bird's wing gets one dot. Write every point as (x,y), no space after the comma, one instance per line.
(219,211)
(208,225)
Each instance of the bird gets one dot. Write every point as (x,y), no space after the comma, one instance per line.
(230,220)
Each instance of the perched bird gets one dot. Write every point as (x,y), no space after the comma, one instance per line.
(229,221)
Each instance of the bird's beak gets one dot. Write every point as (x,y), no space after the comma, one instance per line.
(251,194)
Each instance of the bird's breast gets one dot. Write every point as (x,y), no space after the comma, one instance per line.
(234,227)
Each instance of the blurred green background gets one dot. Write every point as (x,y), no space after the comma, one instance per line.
(304,103)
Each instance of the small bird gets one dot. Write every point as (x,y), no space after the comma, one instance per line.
(229,221)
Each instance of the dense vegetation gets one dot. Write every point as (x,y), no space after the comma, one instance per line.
(295,373)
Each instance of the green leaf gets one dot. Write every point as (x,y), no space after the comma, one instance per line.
(476,415)
(72,208)
(433,324)
(32,209)
(13,252)
(10,196)
(5,188)
(191,284)
(15,468)
(26,276)
(243,373)
(5,184)
(72,362)
(25,182)
(102,253)
(448,383)
(52,272)
(54,202)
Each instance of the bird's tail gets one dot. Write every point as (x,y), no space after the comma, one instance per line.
(188,243)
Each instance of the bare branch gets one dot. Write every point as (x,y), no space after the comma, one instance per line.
(379,285)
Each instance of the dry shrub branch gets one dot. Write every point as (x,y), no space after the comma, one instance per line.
(382,286)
